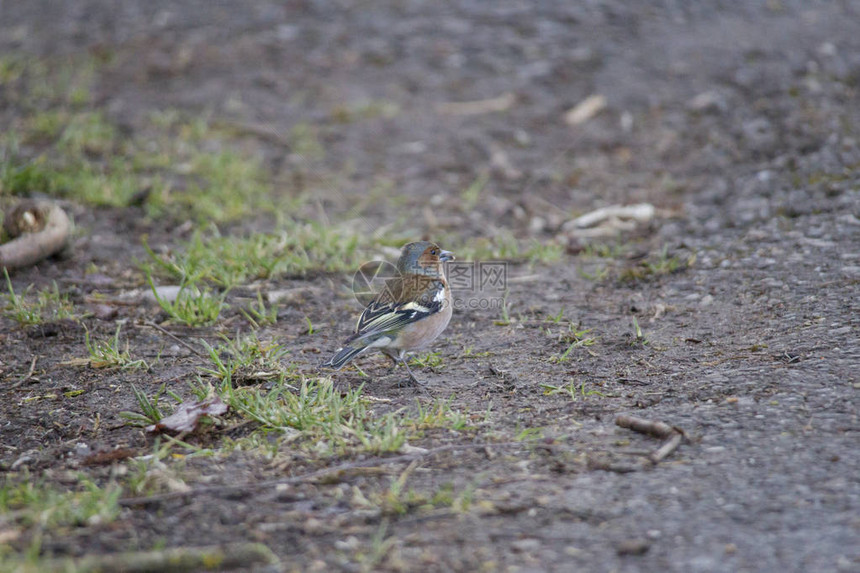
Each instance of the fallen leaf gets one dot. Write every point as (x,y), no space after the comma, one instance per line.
(188,414)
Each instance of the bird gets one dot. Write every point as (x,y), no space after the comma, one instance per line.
(410,312)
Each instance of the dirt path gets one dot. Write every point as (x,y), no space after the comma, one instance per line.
(738,123)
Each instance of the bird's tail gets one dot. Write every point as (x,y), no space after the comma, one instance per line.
(343,356)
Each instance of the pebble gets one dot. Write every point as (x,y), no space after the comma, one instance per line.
(525,545)
(633,547)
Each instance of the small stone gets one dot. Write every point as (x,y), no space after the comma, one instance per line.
(525,545)
(707,101)
(104,311)
(537,225)
(633,547)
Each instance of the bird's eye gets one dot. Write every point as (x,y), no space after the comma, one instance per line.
(433,252)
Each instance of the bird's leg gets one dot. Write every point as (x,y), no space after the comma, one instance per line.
(394,359)
(411,375)
(398,357)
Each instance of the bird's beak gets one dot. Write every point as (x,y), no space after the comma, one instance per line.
(446,256)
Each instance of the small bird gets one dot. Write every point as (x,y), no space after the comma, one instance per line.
(412,309)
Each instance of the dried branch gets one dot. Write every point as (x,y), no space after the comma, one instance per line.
(656,429)
(38,228)
(26,377)
(667,448)
(178,559)
(672,435)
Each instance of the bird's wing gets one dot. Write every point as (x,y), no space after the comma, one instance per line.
(404,300)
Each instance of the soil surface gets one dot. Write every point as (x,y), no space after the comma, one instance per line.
(737,121)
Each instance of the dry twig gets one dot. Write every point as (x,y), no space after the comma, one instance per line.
(672,435)
(26,377)
(213,558)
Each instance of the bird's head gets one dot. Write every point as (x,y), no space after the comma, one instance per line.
(423,258)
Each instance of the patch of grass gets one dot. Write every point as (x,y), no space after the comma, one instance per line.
(381,435)
(638,336)
(150,412)
(181,167)
(48,305)
(258,314)
(295,250)
(111,354)
(224,186)
(544,253)
(505,319)
(439,414)
(657,266)
(11,69)
(34,503)
(192,306)
(603,250)
(501,247)
(505,246)
(318,414)
(88,182)
(246,359)
(432,360)
(110,184)
(85,133)
(18,177)
(571,391)
(576,339)
(397,500)
(600,273)
(556,318)
(469,352)
(528,434)
(311,414)
(151,474)
(647,268)
(380,547)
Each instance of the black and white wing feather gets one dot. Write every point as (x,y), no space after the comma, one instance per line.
(403,301)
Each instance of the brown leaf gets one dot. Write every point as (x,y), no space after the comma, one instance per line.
(188,414)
